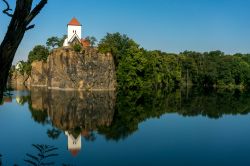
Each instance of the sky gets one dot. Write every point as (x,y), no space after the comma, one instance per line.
(168,25)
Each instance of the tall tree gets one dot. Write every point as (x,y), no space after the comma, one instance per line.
(116,44)
(92,40)
(20,23)
(53,42)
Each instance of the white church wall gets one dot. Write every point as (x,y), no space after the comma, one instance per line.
(66,43)
(72,29)
(74,143)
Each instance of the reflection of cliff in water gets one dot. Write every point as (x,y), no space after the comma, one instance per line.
(75,113)
(68,110)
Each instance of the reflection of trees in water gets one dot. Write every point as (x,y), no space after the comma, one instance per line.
(135,107)
(82,113)
(53,133)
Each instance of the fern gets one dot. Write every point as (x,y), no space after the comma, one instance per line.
(45,152)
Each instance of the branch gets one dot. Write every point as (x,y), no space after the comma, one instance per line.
(35,11)
(30,27)
(6,11)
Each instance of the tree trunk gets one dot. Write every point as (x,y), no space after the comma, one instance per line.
(19,24)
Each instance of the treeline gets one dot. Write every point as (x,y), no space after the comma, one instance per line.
(138,68)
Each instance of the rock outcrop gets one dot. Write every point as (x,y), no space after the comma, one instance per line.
(18,79)
(39,73)
(67,69)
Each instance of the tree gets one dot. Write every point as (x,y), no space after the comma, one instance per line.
(39,53)
(20,23)
(77,47)
(53,42)
(92,40)
(116,44)
(24,68)
(61,40)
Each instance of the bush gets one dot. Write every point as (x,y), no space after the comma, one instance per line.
(77,47)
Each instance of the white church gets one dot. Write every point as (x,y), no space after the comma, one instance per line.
(74,144)
(75,34)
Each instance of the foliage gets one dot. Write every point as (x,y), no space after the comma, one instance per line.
(54,41)
(117,45)
(92,40)
(215,69)
(39,116)
(137,68)
(77,47)
(134,107)
(45,152)
(38,53)
(53,133)
(60,44)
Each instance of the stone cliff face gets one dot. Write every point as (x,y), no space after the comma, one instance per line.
(67,69)
(39,73)
(17,80)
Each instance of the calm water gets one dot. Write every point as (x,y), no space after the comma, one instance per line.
(139,128)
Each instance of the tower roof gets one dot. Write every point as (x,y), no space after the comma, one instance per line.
(74,22)
(74,152)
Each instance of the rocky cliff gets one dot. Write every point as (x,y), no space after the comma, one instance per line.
(18,79)
(67,69)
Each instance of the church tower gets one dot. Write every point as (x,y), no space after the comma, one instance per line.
(74,32)
(74,28)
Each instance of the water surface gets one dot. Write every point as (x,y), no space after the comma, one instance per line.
(186,127)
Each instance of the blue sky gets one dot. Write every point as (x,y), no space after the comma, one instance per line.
(167,25)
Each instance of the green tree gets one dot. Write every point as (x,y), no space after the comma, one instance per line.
(77,47)
(53,42)
(92,40)
(61,40)
(24,68)
(39,53)
(117,45)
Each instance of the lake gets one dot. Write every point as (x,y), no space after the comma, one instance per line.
(185,127)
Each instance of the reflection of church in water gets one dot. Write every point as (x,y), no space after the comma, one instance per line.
(74,144)
(76,113)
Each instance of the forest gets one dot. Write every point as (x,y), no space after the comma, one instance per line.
(141,69)
(138,68)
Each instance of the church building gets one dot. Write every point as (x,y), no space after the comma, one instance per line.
(74,144)
(75,34)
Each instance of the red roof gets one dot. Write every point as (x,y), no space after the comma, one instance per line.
(85,43)
(74,152)
(75,22)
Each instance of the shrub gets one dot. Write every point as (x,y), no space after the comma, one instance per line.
(77,48)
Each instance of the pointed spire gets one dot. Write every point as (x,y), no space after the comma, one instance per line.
(74,22)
